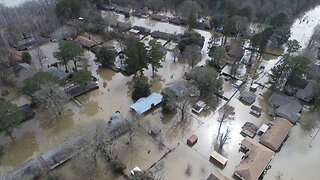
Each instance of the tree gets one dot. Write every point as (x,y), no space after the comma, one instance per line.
(175,53)
(34,83)
(137,57)
(217,53)
(106,57)
(26,57)
(317,98)
(40,56)
(190,38)
(278,20)
(227,114)
(281,35)
(82,76)
(50,97)
(2,152)
(245,12)
(229,29)
(96,146)
(309,121)
(141,89)
(293,46)
(223,138)
(192,20)
(10,116)
(68,50)
(208,82)
(193,54)
(156,55)
(69,8)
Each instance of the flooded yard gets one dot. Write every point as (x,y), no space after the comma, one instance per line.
(42,133)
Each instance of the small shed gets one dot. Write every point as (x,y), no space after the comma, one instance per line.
(254,87)
(218,159)
(262,129)
(192,140)
(249,129)
(248,97)
(216,176)
(255,110)
(161,35)
(142,30)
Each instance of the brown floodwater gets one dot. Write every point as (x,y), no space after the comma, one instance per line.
(42,132)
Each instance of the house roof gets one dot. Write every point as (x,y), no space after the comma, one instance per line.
(177,20)
(252,128)
(287,107)
(256,108)
(15,57)
(307,94)
(83,41)
(248,97)
(276,134)
(58,73)
(159,34)
(254,161)
(81,89)
(159,17)
(234,52)
(23,66)
(216,176)
(144,104)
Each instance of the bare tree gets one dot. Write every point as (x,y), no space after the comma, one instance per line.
(227,114)
(223,138)
(193,54)
(175,53)
(96,146)
(40,56)
(50,97)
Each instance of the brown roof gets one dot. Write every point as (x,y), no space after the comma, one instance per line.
(15,57)
(276,134)
(217,176)
(85,42)
(234,53)
(254,161)
(159,17)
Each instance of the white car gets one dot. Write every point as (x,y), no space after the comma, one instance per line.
(237,84)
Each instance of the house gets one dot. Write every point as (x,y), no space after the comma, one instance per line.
(63,33)
(161,35)
(15,58)
(203,25)
(106,7)
(255,110)
(24,69)
(249,129)
(58,73)
(177,21)
(122,26)
(85,42)
(159,17)
(199,107)
(28,43)
(248,97)
(146,103)
(234,54)
(253,163)
(307,94)
(218,159)
(276,134)
(26,111)
(286,107)
(122,10)
(181,89)
(81,89)
(216,176)
(144,13)
(192,140)
(142,30)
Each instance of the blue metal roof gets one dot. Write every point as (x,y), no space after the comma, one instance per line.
(144,104)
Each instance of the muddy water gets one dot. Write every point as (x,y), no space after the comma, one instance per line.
(42,133)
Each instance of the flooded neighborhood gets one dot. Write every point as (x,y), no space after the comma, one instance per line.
(178,99)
